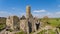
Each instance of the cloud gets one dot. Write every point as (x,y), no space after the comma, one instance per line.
(39,11)
(42,13)
(49,14)
(39,15)
(5,13)
(58,5)
(1,12)
(13,8)
(58,13)
(22,14)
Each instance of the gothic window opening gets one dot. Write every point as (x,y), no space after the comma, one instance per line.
(30,27)
(37,25)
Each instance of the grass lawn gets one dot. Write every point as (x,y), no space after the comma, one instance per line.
(20,32)
(2,26)
(54,22)
(49,32)
(42,32)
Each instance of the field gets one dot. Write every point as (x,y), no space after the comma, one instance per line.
(53,21)
(2,26)
(49,32)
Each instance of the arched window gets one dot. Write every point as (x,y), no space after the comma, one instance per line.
(37,25)
(30,27)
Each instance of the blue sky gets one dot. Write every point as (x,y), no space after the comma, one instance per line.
(39,8)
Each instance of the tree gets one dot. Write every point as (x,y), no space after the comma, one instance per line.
(45,20)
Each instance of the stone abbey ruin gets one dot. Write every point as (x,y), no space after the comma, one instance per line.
(28,24)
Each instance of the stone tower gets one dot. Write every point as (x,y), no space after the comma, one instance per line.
(28,13)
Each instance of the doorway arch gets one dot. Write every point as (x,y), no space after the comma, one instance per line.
(30,27)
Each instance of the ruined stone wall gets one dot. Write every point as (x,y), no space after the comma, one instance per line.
(12,22)
(23,24)
(15,22)
(9,22)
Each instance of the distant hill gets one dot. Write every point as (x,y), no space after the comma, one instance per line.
(2,20)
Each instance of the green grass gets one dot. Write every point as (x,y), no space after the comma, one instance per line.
(54,22)
(10,30)
(20,32)
(49,32)
(2,26)
(42,32)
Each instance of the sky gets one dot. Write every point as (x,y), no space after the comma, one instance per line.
(39,8)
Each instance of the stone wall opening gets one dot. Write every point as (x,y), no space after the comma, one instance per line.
(30,27)
(37,25)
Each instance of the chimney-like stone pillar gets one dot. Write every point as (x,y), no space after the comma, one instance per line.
(28,8)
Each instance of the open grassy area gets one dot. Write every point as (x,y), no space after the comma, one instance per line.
(42,32)
(49,32)
(2,26)
(21,32)
(53,21)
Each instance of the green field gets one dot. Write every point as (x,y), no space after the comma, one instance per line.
(53,21)
(2,26)
(49,32)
